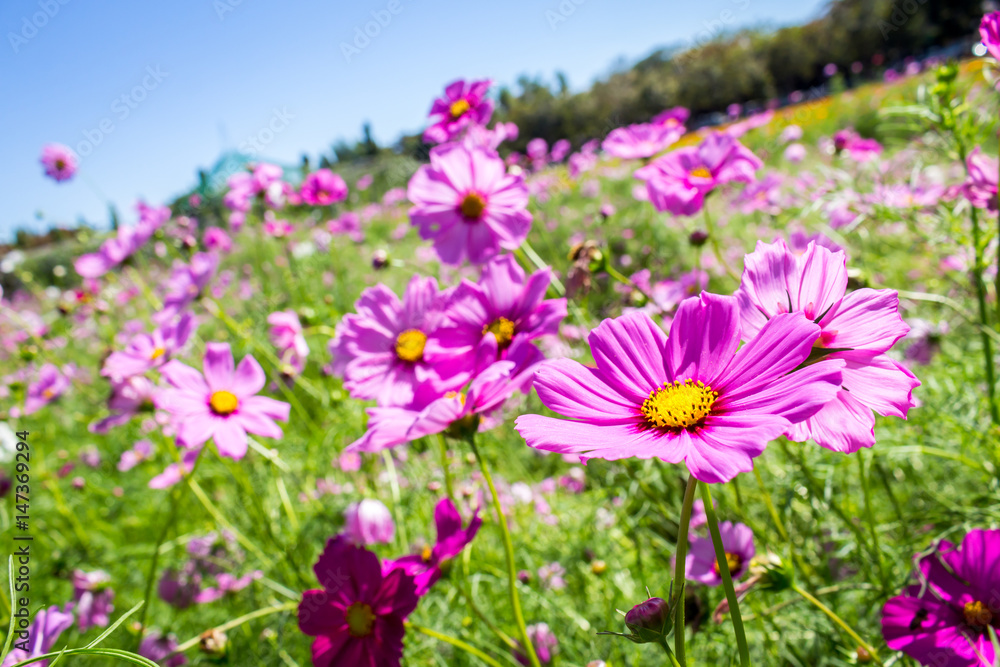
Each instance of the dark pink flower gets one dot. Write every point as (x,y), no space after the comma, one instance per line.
(463,104)
(322,188)
(93,596)
(357,618)
(980,188)
(50,384)
(147,351)
(737,540)
(425,567)
(641,141)
(989,32)
(59,161)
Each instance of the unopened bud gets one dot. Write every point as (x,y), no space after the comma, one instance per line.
(650,620)
(380,259)
(698,238)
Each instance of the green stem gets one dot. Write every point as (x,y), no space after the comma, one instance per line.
(977,280)
(727,578)
(448,484)
(680,565)
(838,620)
(863,478)
(457,643)
(713,240)
(515,600)
(236,622)
(770,505)
(625,280)
(670,654)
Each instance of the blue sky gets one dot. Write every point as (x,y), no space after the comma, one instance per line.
(160,89)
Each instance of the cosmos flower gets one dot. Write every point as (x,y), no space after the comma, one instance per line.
(678,181)
(129,397)
(186,283)
(368,522)
(141,451)
(464,104)
(59,161)
(157,646)
(286,335)
(221,404)
(944,620)
(980,188)
(688,397)
(42,635)
(989,32)
(425,567)
(145,352)
(216,238)
(467,205)
(674,117)
(641,141)
(858,328)
(93,598)
(432,414)
(379,350)
(50,384)
(124,244)
(544,641)
(503,303)
(737,540)
(322,188)
(358,618)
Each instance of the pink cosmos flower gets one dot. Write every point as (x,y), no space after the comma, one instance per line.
(737,540)
(221,404)
(49,386)
(560,150)
(147,351)
(544,641)
(673,117)
(425,567)
(989,32)
(679,181)
(141,451)
(688,397)
(322,188)
(42,635)
(538,150)
(157,646)
(187,282)
(757,120)
(858,328)
(945,619)
(467,204)
(795,153)
(463,104)
(216,238)
(379,350)
(59,161)
(126,242)
(129,397)
(93,597)
(477,135)
(432,414)
(368,522)
(286,335)
(358,618)
(641,141)
(503,304)
(980,188)
(762,195)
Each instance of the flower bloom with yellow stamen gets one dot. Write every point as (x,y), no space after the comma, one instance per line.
(222,404)
(737,540)
(946,616)
(464,105)
(380,349)
(692,396)
(147,351)
(357,619)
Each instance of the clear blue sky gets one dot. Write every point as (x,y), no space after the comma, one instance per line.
(223,68)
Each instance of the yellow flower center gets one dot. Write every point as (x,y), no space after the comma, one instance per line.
(473,206)
(360,619)
(701,172)
(734,561)
(223,402)
(410,345)
(977,614)
(60,164)
(48,393)
(157,353)
(679,404)
(426,554)
(458,394)
(503,329)
(458,107)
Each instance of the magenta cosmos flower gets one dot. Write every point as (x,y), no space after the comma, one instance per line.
(358,618)
(322,188)
(671,117)
(59,161)
(688,397)
(945,619)
(858,328)
(432,414)
(463,104)
(368,522)
(980,188)
(679,181)
(425,567)
(286,335)
(641,141)
(93,595)
(503,304)
(221,404)
(467,205)
(147,351)
(124,244)
(379,351)
(989,31)
(50,385)
(42,635)
(737,540)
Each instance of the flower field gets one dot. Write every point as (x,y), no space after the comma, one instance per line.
(685,396)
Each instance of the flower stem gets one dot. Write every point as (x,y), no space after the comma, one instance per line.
(727,578)
(770,505)
(838,620)
(515,600)
(448,484)
(670,654)
(713,240)
(680,564)
(457,643)
(236,622)
(977,279)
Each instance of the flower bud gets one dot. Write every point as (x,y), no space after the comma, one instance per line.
(698,238)
(650,620)
(368,522)
(380,259)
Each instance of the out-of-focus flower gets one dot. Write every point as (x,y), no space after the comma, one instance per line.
(368,522)
(59,161)
(463,104)
(93,595)
(322,188)
(737,540)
